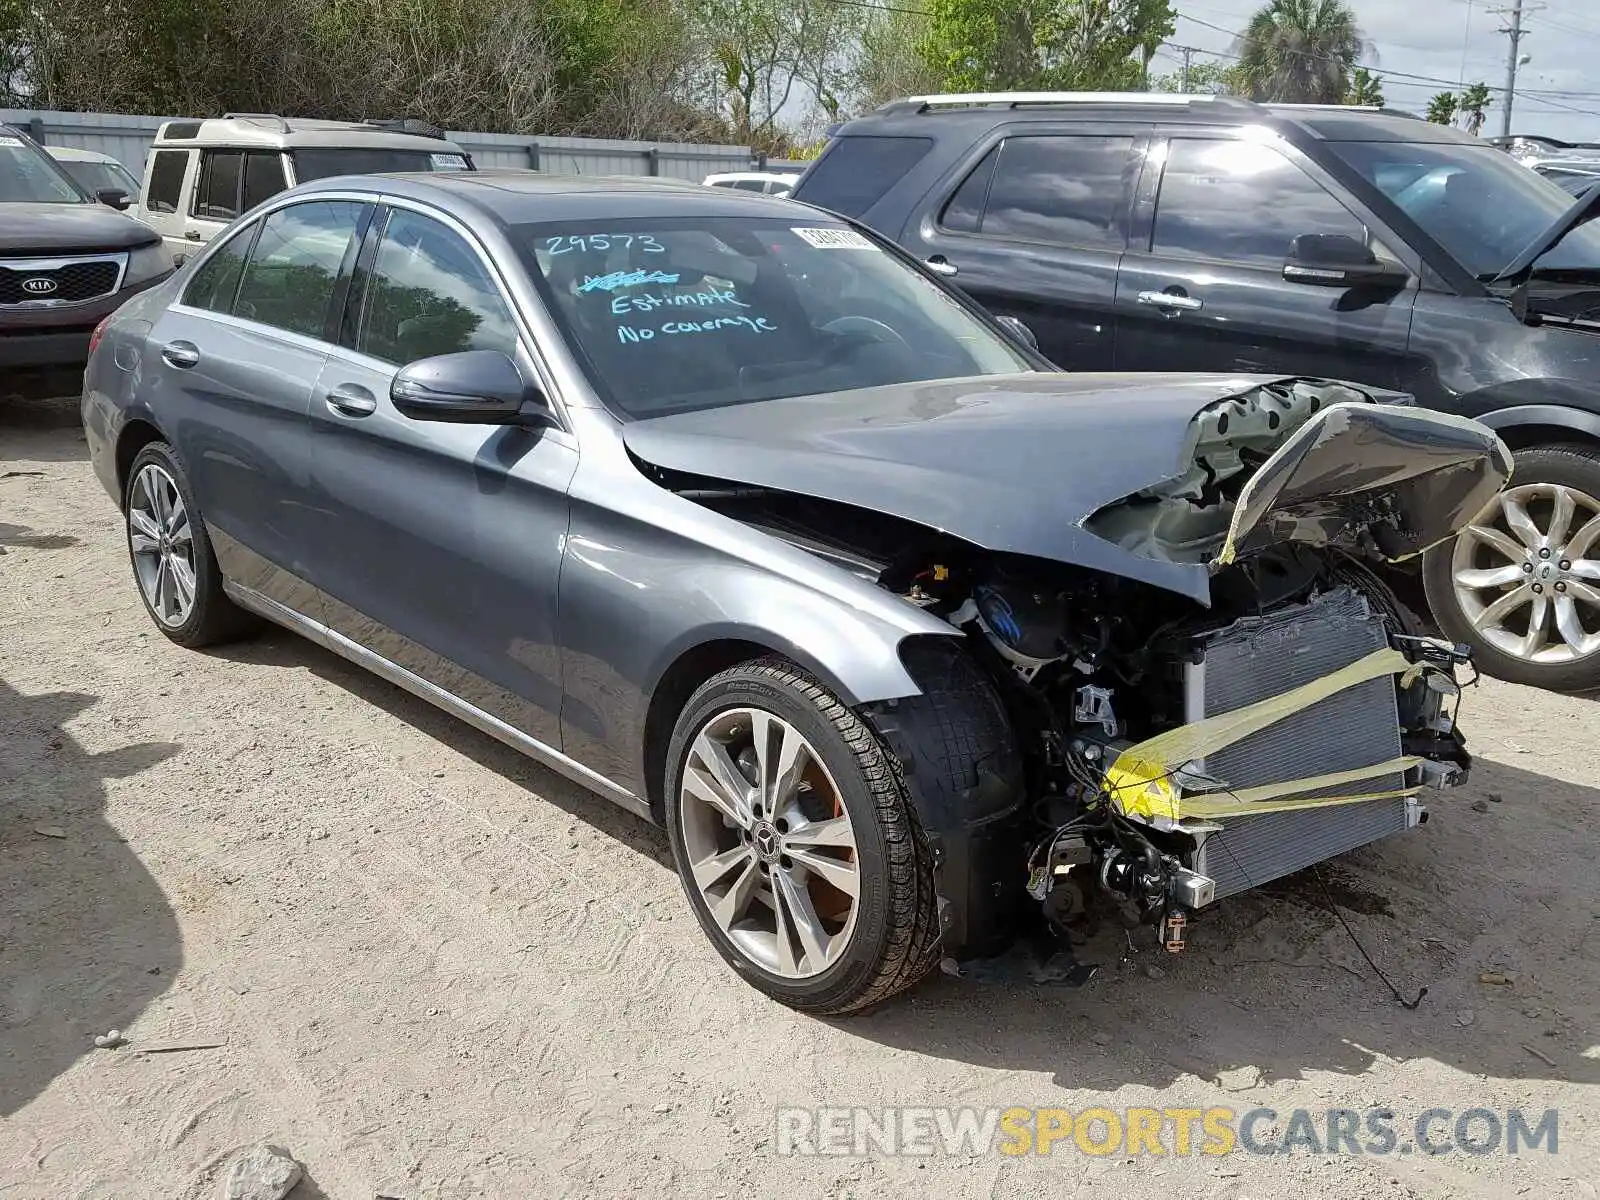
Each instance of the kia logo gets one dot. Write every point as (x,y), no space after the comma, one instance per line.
(39,286)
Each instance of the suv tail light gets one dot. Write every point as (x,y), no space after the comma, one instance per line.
(99,332)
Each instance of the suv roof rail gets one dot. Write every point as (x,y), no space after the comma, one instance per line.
(1382,110)
(411,125)
(247,116)
(1015,99)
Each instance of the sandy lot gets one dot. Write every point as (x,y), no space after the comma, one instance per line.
(437,971)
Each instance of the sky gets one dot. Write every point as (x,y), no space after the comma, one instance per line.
(1448,43)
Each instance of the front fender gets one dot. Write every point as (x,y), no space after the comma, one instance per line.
(1563,403)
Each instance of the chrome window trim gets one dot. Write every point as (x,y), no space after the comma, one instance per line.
(55,264)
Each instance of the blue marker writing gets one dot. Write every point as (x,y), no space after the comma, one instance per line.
(622,279)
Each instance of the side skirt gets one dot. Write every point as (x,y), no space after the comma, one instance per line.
(280,614)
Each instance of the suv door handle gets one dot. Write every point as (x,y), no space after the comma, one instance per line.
(352,400)
(940,265)
(181,354)
(1173,302)
(192,234)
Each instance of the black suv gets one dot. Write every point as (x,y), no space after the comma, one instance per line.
(67,261)
(1180,233)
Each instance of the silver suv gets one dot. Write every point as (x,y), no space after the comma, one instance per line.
(200,175)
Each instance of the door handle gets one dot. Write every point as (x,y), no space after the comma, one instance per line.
(352,400)
(181,354)
(192,234)
(1172,302)
(940,265)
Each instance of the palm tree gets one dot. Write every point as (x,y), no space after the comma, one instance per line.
(1473,101)
(1365,89)
(1442,108)
(1300,51)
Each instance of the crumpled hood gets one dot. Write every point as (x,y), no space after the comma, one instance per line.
(40,230)
(1012,463)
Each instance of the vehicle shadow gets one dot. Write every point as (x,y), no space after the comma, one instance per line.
(1494,911)
(275,647)
(87,938)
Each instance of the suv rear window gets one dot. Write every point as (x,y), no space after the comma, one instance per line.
(855,172)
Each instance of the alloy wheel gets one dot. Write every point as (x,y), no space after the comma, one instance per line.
(1527,575)
(162,544)
(769,842)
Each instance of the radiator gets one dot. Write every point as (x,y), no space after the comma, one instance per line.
(1258,657)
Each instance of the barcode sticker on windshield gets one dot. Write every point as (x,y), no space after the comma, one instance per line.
(10,141)
(833,239)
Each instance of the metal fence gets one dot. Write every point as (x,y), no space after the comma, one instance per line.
(127,138)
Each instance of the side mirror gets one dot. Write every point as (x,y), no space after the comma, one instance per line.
(1338,260)
(114,198)
(474,387)
(1019,331)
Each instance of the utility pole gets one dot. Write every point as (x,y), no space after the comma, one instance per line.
(1188,53)
(1513,60)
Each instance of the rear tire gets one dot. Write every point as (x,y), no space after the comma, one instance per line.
(174,567)
(888,939)
(1489,585)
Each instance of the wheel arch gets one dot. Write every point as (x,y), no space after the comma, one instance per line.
(137,432)
(1548,422)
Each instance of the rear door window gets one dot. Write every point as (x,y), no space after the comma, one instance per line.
(216,197)
(289,279)
(856,172)
(263,178)
(1060,190)
(166,180)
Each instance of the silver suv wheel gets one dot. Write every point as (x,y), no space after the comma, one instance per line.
(162,543)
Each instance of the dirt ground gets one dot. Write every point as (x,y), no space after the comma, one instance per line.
(437,971)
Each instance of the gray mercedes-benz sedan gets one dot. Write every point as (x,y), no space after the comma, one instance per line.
(722,506)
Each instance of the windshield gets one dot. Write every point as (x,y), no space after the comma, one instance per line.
(28,176)
(97,177)
(325,162)
(1477,202)
(693,313)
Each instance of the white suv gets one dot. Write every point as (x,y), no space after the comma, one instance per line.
(200,175)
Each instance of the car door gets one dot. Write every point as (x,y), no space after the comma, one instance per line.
(439,545)
(1033,226)
(233,364)
(1202,288)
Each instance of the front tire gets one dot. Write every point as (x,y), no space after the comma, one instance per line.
(1521,584)
(796,842)
(174,566)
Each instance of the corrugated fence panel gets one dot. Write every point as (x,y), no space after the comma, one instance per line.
(127,138)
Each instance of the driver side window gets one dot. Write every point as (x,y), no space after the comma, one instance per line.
(1242,202)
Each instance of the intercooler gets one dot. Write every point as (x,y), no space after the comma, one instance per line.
(1259,657)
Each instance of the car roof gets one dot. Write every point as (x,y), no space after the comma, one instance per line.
(515,197)
(970,115)
(268,131)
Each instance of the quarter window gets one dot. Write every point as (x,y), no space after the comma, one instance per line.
(217,279)
(429,294)
(289,280)
(216,197)
(1066,191)
(1240,202)
(166,180)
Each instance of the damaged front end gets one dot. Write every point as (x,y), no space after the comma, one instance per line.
(1173,751)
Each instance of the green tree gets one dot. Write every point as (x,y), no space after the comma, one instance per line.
(888,64)
(1442,108)
(1301,51)
(1215,78)
(1365,89)
(1472,104)
(989,45)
